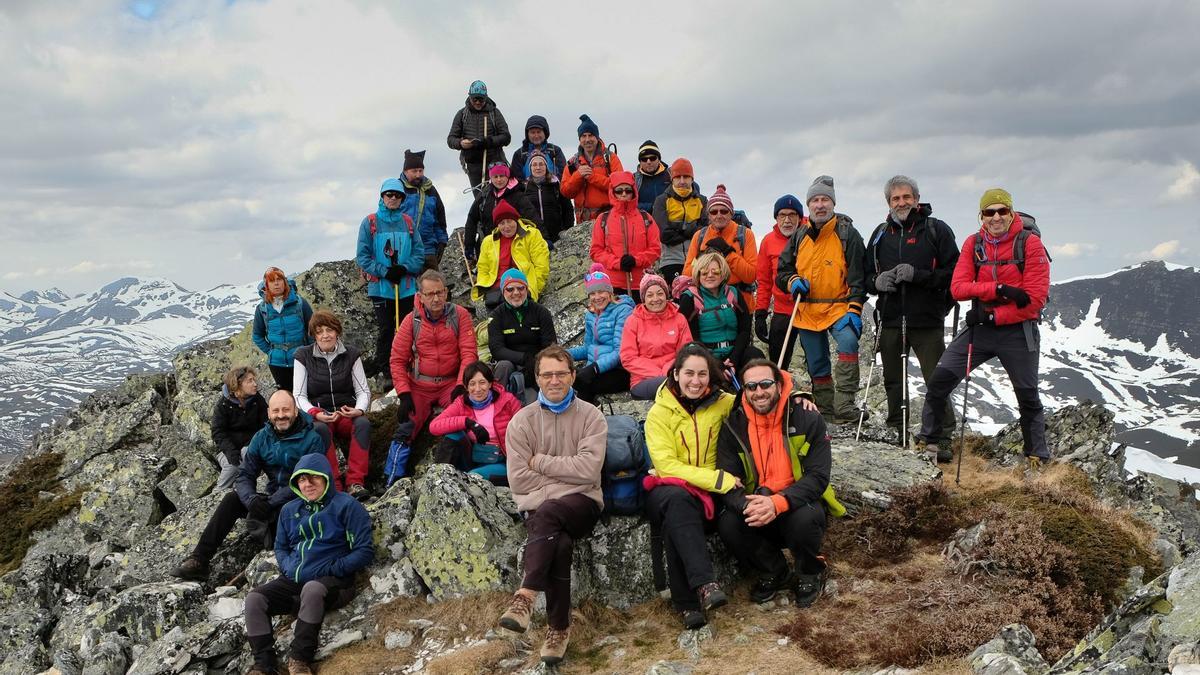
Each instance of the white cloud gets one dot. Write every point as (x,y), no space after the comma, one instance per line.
(1186,185)
(1073,249)
(1166,249)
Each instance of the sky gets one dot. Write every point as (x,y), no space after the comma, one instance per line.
(202,141)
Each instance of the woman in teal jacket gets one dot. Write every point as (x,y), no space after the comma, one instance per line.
(601,371)
(280,324)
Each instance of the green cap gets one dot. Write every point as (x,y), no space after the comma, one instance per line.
(995,196)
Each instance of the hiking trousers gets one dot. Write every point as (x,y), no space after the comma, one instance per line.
(679,516)
(776,329)
(552,531)
(220,524)
(425,395)
(608,382)
(760,548)
(358,430)
(385,320)
(927,344)
(283,376)
(309,602)
(1018,353)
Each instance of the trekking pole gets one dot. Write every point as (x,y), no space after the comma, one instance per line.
(466,261)
(862,413)
(904,362)
(962,429)
(484,168)
(787,334)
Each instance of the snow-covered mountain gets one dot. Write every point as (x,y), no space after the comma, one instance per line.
(55,350)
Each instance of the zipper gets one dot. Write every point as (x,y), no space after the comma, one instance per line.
(309,540)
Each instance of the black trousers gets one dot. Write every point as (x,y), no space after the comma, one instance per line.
(385,320)
(283,376)
(776,329)
(221,523)
(609,382)
(552,531)
(759,548)
(1018,353)
(669,272)
(679,518)
(927,344)
(309,601)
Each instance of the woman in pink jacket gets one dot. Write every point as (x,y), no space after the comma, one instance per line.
(473,426)
(654,333)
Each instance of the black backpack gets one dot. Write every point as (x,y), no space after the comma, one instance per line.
(1028,226)
(626,461)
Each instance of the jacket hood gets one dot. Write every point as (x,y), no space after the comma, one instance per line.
(622,178)
(292,295)
(228,396)
(536,121)
(313,464)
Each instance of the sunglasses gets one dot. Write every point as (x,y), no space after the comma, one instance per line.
(648,158)
(719,212)
(753,386)
(514,288)
(1002,211)
(391,194)
(623,191)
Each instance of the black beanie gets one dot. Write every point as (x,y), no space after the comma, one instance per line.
(414,160)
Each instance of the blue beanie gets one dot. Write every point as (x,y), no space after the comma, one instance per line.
(586,125)
(788,202)
(513,274)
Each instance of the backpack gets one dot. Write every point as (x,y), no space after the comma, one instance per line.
(417,320)
(742,219)
(608,152)
(626,461)
(948,301)
(1028,226)
(751,287)
(731,299)
(371,217)
(603,218)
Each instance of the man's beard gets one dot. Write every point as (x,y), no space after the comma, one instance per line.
(820,220)
(901,214)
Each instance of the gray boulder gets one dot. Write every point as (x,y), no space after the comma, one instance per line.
(147,612)
(867,473)
(1011,652)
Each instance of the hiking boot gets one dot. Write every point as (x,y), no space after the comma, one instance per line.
(516,618)
(711,596)
(693,619)
(808,588)
(929,451)
(945,454)
(298,667)
(192,569)
(765,588)
(1034,466)
(555,646)
(359,492)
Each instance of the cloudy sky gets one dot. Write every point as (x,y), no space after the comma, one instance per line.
(204,140)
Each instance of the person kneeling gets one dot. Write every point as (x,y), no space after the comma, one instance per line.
(324,538)
(778,447)
(473,426)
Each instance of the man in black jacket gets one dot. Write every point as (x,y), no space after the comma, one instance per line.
(479,132)
(520,328)
(776,445)
(910,259)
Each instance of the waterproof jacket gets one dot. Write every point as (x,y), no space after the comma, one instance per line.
(651,340)
(454,418)
(468,124)
(625,229)
(809,453)
(479,216)
(275,454)
(234,423)
(395,233)
(928,245)
(684,445)
(326,382)
(554,455)
(445,347)
(649,187)
(529,253)
(552,211)
(423,203)
(742,260)
(590,192)
(716,322)
(517,334)
(327,537)
(279,333)
(768,262)
(980,284)
(602,334)
(678,219)
(554,155)
(835,271)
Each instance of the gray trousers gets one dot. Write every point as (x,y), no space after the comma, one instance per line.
(229,472)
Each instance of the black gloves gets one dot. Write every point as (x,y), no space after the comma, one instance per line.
(260,508)
(979,317)
(719,245)
(587,373)
(885,282)
(903,272)
(628,263)
(395,274)
(404,406)
(1013,293)
(457,391)
(480,431)
(760,325)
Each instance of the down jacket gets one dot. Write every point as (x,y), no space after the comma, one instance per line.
(235,422)
(468,124)
(602,334)
(969,284)
(444,349)
(590,192)
(454,417)
(279,333)
(328,537)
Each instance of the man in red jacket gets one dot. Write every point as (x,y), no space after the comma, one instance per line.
(770,323)
(1008,291)
(434,345)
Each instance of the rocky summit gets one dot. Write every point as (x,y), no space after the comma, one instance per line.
(91,594)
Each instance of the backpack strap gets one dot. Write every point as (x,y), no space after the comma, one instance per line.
(1018,253)
(417,320)
(875,237)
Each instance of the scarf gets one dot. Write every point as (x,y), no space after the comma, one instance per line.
(480,405)
(560,407)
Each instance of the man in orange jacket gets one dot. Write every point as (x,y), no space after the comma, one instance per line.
(586,177)
(734,241)
(789,214)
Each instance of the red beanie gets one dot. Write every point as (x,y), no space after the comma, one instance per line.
(682,167)
(720,198)
(504,211)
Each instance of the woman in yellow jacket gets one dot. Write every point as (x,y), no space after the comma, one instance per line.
(681,434)
(515,242)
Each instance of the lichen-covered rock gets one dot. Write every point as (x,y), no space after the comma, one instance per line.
(200,648)
(132,425)
(1011,652)
(194,475)
(119,499)
(393,575)
(147,612)
(1081,435)
(1170,506)
(1183,592)
(866,473)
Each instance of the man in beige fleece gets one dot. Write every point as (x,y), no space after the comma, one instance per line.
(555,454)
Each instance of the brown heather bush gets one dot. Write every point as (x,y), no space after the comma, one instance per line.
(24,508)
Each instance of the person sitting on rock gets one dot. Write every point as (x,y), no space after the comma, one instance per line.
(515,244)
(555,453)
(601,372)
(473,426)
(718,315)
(432,350)
(324,537)
(681,434)
(274,451)
(652,337)
(280,324)
(331,385)
(239,413)
(519,329)
(775,444)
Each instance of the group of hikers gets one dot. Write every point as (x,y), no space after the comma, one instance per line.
(678,289)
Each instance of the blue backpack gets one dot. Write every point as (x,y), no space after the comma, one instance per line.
(626,461)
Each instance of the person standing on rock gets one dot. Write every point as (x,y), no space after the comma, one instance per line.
(652,176)
(239,414)
(501,188)
(1004,271)
(280,324)
(537,142)
(910,259)
(653,335)
(552,211)
(624,238)
(586,178)
(324,538)
(680,212)
(473,428)
(681,435)
(603,326)
(555,455)
(733,241)
(775,445)
(519,329)
(773,307)
(822,269)
(479,132)
(426,207)
(273,451)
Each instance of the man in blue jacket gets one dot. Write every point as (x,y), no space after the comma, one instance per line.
(324,537)
(425,205)
(274,450)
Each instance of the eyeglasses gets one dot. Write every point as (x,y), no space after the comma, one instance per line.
(623,191)
(1002,211)
(719,212)
(433,294)
(557,375)
(391,194)
(753,386)
(789,216)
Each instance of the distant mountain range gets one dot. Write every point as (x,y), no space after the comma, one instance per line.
(55,350)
